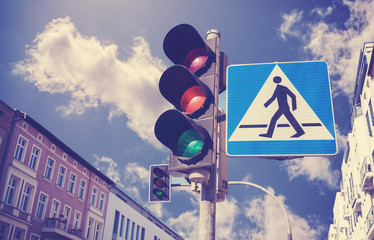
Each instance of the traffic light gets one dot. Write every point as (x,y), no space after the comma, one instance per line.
(159,183)
(192,87)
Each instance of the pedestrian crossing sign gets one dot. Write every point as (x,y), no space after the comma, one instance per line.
(280,110)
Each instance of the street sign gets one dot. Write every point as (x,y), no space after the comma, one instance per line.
(280,109)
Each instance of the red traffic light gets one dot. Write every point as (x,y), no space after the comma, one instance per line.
(192,100)
(185,91)
(159,183)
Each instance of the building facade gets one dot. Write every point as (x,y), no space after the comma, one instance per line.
(127,219)
(47,190)
(354,203)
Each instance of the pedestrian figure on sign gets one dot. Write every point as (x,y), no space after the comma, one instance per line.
(281,93)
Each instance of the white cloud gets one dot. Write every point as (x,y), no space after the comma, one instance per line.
(289,23)
(187,223)
(109,167)
(136,178)
(234,220)
(227,212)
(322,12)
(316,169)
(271,222)
(62,60)
(339,47)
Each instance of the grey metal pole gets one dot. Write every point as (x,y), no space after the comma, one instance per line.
(289,230)
(207,218)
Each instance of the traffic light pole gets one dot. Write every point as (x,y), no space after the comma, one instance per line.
(207,219)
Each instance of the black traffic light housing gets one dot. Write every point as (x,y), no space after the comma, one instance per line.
(192,86)
(159,183)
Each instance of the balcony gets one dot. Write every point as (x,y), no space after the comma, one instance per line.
(57,228)
(355,201)
(367,174)
(15,212)
(347,212)
(370,224)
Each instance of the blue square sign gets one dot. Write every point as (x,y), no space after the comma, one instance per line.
(280,109)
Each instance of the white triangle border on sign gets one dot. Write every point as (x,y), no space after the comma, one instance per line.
(257,116)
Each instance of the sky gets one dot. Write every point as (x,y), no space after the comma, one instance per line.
(89,70)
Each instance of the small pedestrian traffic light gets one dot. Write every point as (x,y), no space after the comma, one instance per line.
(159,183)
(192,87)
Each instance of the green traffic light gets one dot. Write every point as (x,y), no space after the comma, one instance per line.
(159,193)
(189,144)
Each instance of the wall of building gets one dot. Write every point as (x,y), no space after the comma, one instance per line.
(126,220)
(42,195)
(47,191)
(353,207)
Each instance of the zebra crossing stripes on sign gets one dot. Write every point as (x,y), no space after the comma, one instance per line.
(279,109)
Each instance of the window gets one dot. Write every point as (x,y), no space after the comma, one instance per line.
(20,149)
(132,230)
(33,237)
(10,191)
(82,186)
(371,113)
(77,220)
(121,226)
(89,227)
(142,236)
(61,176)
(127,228)
(368,124)
(55,209)
(97,231)
(42,203)
(72,180)
(19,234)
(101,201)
(116,219)
(3,230)
(25,198)
(67,212)
(137,232)
(93,196)
(34,159)
(49,168)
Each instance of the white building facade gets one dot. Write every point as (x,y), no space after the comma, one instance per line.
(354,204)
(128,220)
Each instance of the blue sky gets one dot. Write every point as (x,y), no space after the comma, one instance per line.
(89,71)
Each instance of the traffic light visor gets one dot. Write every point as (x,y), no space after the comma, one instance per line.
(184,45)
(196,59)
(159,172)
